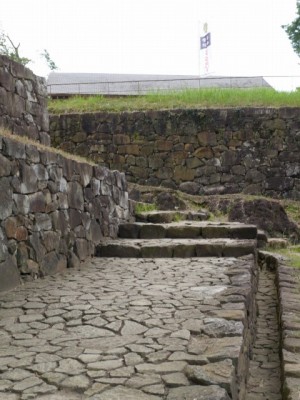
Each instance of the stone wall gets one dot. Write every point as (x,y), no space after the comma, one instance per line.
(53,210)
(255,150)
(23,101)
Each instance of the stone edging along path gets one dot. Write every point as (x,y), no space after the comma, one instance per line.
(288,287)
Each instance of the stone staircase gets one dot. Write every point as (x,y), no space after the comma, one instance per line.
(156,235)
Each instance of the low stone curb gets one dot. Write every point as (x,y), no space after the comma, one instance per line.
(288,285)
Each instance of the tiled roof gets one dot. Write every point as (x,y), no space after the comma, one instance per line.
(60,83)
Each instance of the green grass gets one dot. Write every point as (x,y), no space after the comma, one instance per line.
(190,98)
(144,207)
(292,254)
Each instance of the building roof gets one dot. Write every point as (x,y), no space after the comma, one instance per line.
(63,83)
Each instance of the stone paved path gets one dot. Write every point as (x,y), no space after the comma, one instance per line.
(265,373)
(128,329)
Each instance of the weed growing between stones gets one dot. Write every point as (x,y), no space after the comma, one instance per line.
(144,207)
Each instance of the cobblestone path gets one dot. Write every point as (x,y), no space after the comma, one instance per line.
(127,329)
(265,374)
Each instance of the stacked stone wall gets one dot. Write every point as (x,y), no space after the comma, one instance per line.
(53,210)
(255,150)
(23,101)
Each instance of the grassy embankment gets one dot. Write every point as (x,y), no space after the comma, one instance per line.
(191,98)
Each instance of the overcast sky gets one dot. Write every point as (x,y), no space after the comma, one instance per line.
(153,36)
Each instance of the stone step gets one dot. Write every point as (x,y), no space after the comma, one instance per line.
(187,229)
(180,248)
(161,217)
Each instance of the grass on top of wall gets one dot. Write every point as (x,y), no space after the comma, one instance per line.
(190,98)
(25,140)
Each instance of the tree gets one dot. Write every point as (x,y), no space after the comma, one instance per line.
(51,64)
(9,49)
(293,31)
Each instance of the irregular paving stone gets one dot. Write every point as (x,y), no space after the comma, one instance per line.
(216,349)
(16,374)
(27,383)
(198,392)
(95,388)
(89,331)
(220,327)
(133,328)
(106,365)
(70,367)
(140,380)
(41,389)
(5,384)
(121,392)
(81,382)
(219,373)
(154,389)
(172,366)
(43,367)
(176,379)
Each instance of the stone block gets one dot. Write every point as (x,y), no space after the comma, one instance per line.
(199,392)
(6,199)
(5,166)
(155,161)
(131,231)
(22,257)
(184,250)
(190,187)
(156,251)
(75,218)
(86,173)
(193,162)
(28,179)
(209,249)
(239,249)
(51,240)
(42,222)
(130,149)
(116,250)
(37,249)
(53,263)
(81,249)
(164,145)
(215,231)
(95,231)
(75,196)
(207,139)
(14,149)
(203,152)
(37,202)
(120,139)
(164,173)
(152,231)
(183,174)
(9,273)
(6,80)
(32,154)
(185,231)
(21,203)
